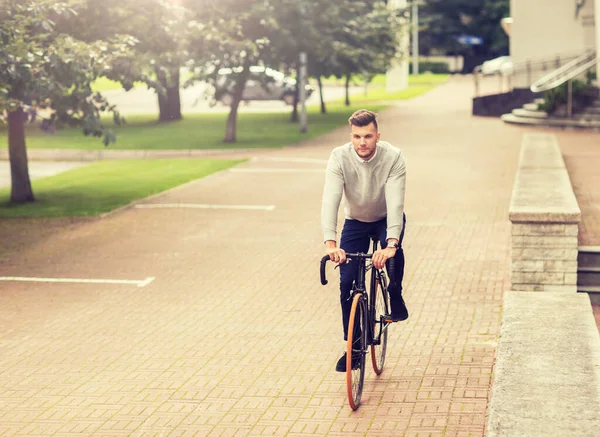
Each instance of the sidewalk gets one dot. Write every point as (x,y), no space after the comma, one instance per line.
(235,336)
(37,169)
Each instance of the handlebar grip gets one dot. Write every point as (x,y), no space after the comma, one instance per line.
(391,269)
(323,262)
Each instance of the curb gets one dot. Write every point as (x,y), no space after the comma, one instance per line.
(100,155)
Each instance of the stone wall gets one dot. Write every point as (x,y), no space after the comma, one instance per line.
(544,216)
(495,105)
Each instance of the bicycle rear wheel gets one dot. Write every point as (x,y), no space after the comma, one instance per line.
(380,306)
(356,350)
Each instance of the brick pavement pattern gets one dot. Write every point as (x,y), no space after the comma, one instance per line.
(236,336)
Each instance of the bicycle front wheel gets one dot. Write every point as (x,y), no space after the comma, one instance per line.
(356,350)
(380,306)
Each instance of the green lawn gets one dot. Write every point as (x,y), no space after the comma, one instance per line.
(379,80)
(105,185)
(197,131)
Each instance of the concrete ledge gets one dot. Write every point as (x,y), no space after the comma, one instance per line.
(547,372)
(544,195)
(545,215)
(540,151)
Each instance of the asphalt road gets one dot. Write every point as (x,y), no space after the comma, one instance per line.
(193,100)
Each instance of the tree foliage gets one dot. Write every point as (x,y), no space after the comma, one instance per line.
(43,72)
(442,22)
(159,27)
(234,35)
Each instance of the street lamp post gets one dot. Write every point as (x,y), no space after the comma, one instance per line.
(415,37)
(397,74)
(303,115)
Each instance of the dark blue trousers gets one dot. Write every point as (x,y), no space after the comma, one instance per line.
(356,237)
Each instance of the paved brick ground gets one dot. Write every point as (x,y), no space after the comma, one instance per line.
(581,152)
(236,336)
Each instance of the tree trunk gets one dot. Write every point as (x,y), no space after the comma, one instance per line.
(348,90)
(238,91)
(21,191)
(231,128)
(169,103)
(323,109)
(295,118)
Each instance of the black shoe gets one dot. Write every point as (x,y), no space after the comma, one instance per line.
(399,311)
(341,364)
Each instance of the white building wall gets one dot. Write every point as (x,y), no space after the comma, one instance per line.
(545,29)
(597,27)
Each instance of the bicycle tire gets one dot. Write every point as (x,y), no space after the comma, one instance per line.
(380,306)
(356,350)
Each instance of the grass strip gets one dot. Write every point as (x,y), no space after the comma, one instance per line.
(105,185)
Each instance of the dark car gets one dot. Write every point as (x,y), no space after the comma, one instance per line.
(264,83)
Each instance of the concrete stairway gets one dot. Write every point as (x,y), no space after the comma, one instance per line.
(530,114)
(588,272)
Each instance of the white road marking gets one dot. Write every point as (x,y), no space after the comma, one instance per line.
(276,170)
(140,284)
(306,160)
(203,206)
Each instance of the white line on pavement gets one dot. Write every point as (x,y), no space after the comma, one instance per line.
(202,206)
(79,280)
(276,170)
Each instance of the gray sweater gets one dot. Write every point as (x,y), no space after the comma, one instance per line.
(372,190)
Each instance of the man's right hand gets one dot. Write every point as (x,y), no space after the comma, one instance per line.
(337,255)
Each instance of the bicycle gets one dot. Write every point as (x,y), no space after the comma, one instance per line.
(368,323)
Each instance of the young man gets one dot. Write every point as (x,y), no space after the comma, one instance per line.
(370,174)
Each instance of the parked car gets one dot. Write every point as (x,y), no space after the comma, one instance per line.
(500,65)
(263,84)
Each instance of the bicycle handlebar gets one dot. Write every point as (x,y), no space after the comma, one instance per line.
(390,264)
(323,262)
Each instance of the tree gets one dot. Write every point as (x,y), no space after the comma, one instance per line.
(368,42)
(341,38)
(358,37)
(444,21)
(160,30)
(234,35)
(42,70)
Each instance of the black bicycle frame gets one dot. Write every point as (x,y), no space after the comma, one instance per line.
(359,285)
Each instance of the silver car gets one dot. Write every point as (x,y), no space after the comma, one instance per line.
(264,83)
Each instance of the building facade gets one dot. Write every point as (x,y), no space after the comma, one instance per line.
(547,33)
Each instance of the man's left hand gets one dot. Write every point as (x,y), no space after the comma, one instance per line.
(382,255)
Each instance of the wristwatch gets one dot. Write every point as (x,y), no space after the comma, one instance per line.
(393,244)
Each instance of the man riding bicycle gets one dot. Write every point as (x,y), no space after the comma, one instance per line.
(370,174)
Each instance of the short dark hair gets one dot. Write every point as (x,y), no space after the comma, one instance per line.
(363,117)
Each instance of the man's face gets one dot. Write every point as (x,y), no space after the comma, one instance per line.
(364,140)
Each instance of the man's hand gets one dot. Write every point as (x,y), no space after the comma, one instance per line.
(336,254)
(382,255)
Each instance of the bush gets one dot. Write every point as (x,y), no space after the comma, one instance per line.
(559,96)
(432,67)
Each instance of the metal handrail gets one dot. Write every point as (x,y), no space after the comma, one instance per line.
(567,72)
(530,67)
